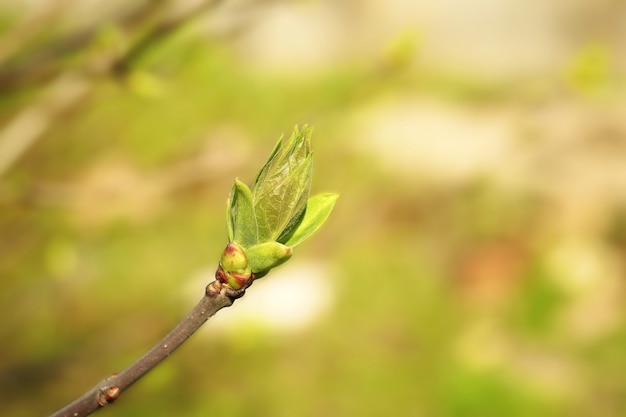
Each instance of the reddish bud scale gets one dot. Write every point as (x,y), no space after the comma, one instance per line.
(233,269)
(112,394)
(108,395)
(234,280)
(234,258)
(220,275)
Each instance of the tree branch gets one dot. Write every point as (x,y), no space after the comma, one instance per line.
(217,296)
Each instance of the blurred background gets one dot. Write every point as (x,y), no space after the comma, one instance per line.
(474,264)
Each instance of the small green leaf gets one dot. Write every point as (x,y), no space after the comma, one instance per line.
(267,255)
(242,218)
(270,158)
(297,147)
(282,187)
(229,221)
(318,209)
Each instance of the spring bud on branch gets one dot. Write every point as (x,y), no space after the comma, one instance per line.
(267,222)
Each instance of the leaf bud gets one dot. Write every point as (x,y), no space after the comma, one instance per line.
(233,269)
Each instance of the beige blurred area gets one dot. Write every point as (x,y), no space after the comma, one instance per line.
(473,266)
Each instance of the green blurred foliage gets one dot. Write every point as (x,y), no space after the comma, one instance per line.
(488,295)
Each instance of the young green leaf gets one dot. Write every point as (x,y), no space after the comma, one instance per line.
(318,209)
(244,223)
(267,255)
(270,158)
(296,147)
(229,221)
(282,187)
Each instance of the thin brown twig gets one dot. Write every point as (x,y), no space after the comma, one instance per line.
(217,296)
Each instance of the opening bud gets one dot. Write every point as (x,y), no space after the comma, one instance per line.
(234,258)
(233,270)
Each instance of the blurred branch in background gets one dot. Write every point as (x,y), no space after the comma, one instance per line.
(13,43)
(25,66)
(25,128)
